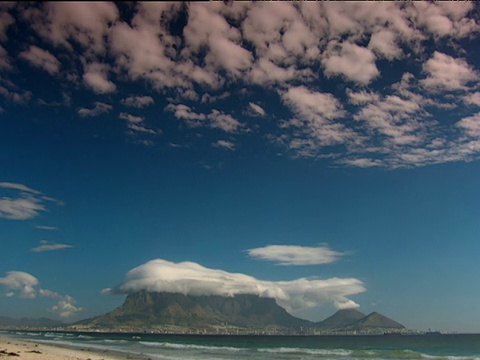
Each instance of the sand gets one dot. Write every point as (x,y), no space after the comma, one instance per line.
(27,350)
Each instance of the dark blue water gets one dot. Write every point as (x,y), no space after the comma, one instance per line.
(435,347)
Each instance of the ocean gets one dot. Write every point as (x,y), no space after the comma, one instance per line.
(225,347)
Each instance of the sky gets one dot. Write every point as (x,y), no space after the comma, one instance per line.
(325,154)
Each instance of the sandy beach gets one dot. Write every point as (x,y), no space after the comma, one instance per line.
(26,350)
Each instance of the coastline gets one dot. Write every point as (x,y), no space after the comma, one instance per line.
(13,348)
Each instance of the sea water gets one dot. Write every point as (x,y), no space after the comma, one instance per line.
(389,347)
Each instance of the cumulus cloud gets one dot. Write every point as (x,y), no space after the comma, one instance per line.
(20,283)
(25,286)
(354,62)
(447,73)
(315,121)
(27,203)
(69,23)
(296,255)
(472,99)
(65,306)
(137,101)
(50,246)
(42,59)
(193,279)
(225,122)
(98,108)
(95,77)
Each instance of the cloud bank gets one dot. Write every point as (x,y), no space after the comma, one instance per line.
(190,278)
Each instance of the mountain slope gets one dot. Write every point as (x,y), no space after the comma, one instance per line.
(145,308)
(341,319)
(375,321)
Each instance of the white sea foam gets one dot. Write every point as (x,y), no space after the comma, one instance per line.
(167,345)
(323,352)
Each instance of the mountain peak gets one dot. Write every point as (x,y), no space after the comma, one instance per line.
(375,320)
(341,318)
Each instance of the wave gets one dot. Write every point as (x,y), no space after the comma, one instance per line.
(308,351)
(450,357)
(167,345)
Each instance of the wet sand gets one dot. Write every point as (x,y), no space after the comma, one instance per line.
(27,350)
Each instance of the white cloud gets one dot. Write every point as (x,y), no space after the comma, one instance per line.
(208,29)
(256,109)
(27,205)
(45,227)
(42,59)
(5,61)
(138,101)
(472,99)
(313,106)
(64,23)
(131,118)
(216,119)
(384,43)
(224,122)
(193,279)
(348,304)
(95,77)
(50,246)
(442,19)
(354,62)
(135,124)
(18,97)
(224,144)
(315,120)
(184,112)
(22,282)
(471,125)
(5,21)
(145,49)
(24,285)
(66,305)
(296,255)
(98,108)
(447,73)
(20,187)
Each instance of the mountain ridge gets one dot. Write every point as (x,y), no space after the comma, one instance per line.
(146,310)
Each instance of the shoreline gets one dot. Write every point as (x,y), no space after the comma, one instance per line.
(13,348)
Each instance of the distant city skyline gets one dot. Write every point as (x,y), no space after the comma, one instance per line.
(324,154)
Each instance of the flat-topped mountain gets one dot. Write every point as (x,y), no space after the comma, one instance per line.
(145,308)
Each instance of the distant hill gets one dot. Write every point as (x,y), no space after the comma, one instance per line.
(375,321)
(144,309)
(29,322)
(341,319)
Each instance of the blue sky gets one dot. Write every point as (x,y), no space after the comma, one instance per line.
(325,154)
